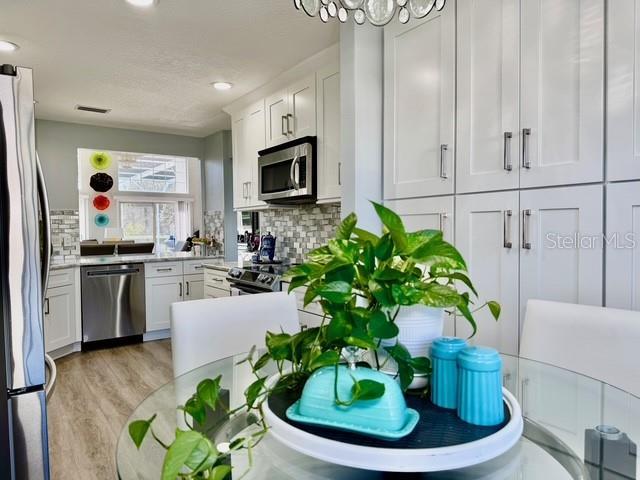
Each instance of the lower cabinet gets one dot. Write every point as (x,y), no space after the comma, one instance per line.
(60,318)
(161,292)
(194,287)
(216,284)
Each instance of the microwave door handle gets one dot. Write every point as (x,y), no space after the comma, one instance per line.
(292,173)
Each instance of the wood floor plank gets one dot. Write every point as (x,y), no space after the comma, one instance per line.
(94,395)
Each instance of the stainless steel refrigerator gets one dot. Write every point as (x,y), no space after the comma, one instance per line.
(24,266)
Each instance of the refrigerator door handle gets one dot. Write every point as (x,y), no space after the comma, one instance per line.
(43,198)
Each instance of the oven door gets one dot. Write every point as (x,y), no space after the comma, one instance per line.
(238,290)
(286,175)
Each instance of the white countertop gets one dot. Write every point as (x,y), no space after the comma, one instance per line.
(116,259)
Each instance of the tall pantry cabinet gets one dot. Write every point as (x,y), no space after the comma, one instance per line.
(528,115)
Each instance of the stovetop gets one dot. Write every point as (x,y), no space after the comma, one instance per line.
(266,277)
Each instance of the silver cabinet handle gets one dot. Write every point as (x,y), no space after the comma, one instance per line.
(508,165)
(188,290)
(163,270)
(340,173)
(526,160)
(180,288)
(46,306)
(292,173)
(248,190)
(442,217)
(443,167)
(507,243)
(290,117)
(198,267)
(526,218)
(282,126)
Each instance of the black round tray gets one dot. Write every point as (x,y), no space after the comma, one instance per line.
(437,427)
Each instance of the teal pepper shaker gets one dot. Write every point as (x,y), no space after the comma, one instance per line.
(480,386)
(444,379)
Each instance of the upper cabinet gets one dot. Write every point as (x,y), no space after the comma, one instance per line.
(562,96)
(291,112)
(419,99)
(248,138)
(488,100)
(328,118)
(623,92)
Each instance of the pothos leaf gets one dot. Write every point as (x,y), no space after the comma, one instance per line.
(138,430)
(325,359)
(195,408)
(367,390)
(495,309)
(345,229)
(209,391)
(381,327)
(220,472)
(394,224)
(179,452)
(252,393)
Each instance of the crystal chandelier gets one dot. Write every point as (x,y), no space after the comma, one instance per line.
(378,12)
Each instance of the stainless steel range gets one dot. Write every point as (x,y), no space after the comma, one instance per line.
(259,278)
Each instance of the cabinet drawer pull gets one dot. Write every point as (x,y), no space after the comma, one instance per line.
(526,220)
(282,126)
(443,167)
(164,269)
(340,173)
(442,217)
(198,267)
(290,120)
(507,243)
(508,165)
(46,306)
(526,159)
(180,288)
(188,289)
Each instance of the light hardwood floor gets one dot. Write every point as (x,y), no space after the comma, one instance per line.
(94,395)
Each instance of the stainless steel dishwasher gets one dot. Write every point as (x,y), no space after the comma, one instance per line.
(113,303)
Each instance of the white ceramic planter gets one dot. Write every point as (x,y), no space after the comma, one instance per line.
(419,326)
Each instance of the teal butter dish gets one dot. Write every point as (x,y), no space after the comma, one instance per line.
(386,417)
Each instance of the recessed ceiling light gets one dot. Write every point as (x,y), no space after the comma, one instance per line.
(6,46)
(222,86)
(142,3)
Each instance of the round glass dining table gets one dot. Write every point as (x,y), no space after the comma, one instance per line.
(576,427)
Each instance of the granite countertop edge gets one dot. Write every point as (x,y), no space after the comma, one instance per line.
(116,259)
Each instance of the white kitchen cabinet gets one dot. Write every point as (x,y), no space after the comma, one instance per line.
(434,213)
(194,287)
(487,235)
(60,317)
(561,246)
(291,112)
(623,85)
(562,92)
(488,63)
(419,102)
(161,292)
(309,320)
(216,284)
(277,109)
(623,246)
(329,119)
(248,138)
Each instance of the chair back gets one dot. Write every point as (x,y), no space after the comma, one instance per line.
(203,331)
(598,342)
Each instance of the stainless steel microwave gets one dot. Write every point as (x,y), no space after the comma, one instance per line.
(287,173)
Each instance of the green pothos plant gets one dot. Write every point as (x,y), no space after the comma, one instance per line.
(361,280)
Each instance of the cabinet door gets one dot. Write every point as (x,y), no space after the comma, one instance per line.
(59,317)
(160,294)
(562,81)
(561,245)
(487,237)
(239,165)
(302,108)
(329,165)
(277,109)
(254,142)
(434,213)
(212,292)
(309,320)
(623,246)
(193,287)
(419,83)
(487,155)
(623,95)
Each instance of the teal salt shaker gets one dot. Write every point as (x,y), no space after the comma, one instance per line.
(444,379)
(480,386)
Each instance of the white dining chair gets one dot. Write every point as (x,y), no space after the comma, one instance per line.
(203,331)
(598,342)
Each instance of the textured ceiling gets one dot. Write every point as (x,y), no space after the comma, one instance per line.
(153,67)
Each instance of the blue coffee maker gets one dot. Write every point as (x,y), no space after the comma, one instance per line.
(268,247)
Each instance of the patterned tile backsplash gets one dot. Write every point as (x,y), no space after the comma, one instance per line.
(301,229)
(65,234)
(214,227)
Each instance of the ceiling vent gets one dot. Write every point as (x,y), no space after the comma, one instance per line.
(84,108)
